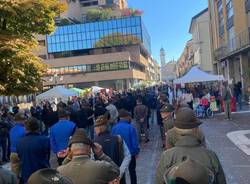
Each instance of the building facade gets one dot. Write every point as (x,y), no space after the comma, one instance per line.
(186,60)
(113,53)
(202,49)
(77,9)
(229,23)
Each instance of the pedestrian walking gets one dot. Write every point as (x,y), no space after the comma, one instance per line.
(112,146)
(85,119)
(81,169)
(184,114)
(167,117)
(16,133)
(141,119)
(188,146)
(113,113)
(4,134)
(33,150)
(128,134)
(60,134)
(226,97)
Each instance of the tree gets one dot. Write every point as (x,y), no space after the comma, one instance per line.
(95,14)
(20,21)
(117,39)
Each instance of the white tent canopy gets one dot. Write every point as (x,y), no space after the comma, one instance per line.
(197,75)
(56,92)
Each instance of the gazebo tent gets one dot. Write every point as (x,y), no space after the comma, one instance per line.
(77,90)
(197,75)
(56,92)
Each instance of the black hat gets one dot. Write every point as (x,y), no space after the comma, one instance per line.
(185,119)
(80,136)
(31,124)
(62,113)
(124,114)
(48,176)
(167,108)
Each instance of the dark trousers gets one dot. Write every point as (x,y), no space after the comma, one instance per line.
(60,161)
(3,145)
(123,180)
(132,171)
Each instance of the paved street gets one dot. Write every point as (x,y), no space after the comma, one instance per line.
(236,163)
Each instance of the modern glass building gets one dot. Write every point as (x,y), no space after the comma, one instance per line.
(106,33)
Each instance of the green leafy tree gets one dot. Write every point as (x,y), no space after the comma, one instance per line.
(95,14)
(116,39)
(20,21)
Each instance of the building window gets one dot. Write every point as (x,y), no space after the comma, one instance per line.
(41,42)
(89,68)
(220,18)
(230,14)
(247,4)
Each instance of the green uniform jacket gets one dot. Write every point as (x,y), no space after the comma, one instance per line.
(172,137)
(189,147)
(83,170)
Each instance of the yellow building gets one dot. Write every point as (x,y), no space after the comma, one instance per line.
(186,60)
(229,24)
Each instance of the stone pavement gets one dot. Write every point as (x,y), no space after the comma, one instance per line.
(236,163)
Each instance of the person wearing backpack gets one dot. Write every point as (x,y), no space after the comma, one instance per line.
(189,146)
(113,146)
(226,97)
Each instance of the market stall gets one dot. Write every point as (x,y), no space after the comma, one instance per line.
(197,75)
(58,92)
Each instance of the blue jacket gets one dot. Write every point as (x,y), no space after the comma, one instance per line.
(60,134)
(34,153)
(17,132)
(129,135)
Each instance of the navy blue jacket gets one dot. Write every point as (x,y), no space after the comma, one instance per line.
(128,134)
(34,153)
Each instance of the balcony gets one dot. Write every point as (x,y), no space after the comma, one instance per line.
(235,45)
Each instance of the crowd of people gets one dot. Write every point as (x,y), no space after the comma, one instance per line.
(95,140)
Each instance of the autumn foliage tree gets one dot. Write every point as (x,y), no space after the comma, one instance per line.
(20,22)
(116,39)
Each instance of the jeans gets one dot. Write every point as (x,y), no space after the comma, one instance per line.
(3,145)
(239,98)
(132,170)
(140,127)
(227,109)
(90,131)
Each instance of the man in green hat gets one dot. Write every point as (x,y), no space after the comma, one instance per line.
(81,169)
(188,145)
(185,124)
(167,117)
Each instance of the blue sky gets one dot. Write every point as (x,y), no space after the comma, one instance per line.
(168,23)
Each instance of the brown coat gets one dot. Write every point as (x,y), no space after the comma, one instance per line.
(141,113)
(83,170)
